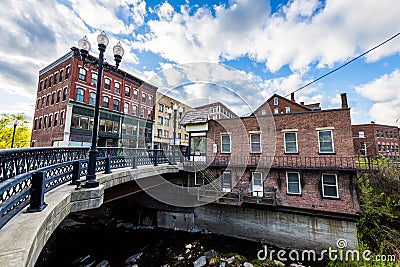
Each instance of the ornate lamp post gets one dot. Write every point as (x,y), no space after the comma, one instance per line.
(180,111)
(13,135)
(84,47)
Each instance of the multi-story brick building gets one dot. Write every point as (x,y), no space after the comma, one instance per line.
(164,124)
(302,153)
(217,111)
(65,105)
(376,140)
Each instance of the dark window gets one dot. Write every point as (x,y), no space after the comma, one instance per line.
(47,100)
(55,77)
(105,101)
(55,119)
(53,96)
(40,123)
(80,94)
(50,81)
(65,94)
(45,84)
(143,98)
(293,183)
(127,91)
(50,120)
(82,74)
(61,76)
(58,96)
(92,99)
(44,122)
(135,94)
(35,125)
(67,71)
(43,101)
(116,88)
(40,86)
(116,104)
(134,109)
(150,100)
(38,104)
(329,185)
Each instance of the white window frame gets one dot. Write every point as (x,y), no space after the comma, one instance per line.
(230,143)
(251,148)
(254,192)
(361,134)
(336,185)
(287,110)
(319,143)
(276,101)
(226,189)
(284,142)
(126,107)
(287,183)
(276,111)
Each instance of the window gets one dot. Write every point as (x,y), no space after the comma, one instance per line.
(361,134)
(226,181)
(214,109)
(105,101)
(92,99)
(329,185)
(82,74)
(387,134)
(198,145)
(102,125)
(149,112)
(35,125)
(142,112)
(43,102)
(40,123)
(80,94)
(50,120)
(50,81)
(150,100)
(58,96)
(143,97)
(293,183)
(225,143)
(94,78)
(160,107)
(109,126)
(166,134)
(55,78)
(84,123)
(257,184)
(67,71)
(45,84)
(363,147)
(276,101)
(38,104)
(47,100)
(44,122)
(263,112)
(53,96)
(160,120)
(391,135)
(325,141)
(276,111)
(287,109)
(255,143)
(128,91)
(291,142)
(377,134)
(135,94)
(116,104)
(166,122)
(126,107)
(55,119)
(116,88)
(107,83)
(61,76)
(40,86)
(379,147)
(159,133)
(134,110)
(394,135)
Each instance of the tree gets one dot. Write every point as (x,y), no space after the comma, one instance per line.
(22,131)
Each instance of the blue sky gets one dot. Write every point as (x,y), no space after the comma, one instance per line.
(238,51)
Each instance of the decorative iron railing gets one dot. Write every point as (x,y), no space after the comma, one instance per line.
(25,178)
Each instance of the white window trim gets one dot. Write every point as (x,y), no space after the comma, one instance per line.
(251,149)
(333,143)
(197,180)
(337,186)
(284,143)
(226,189)
(287,184)
(276,102)
(230,144)
(252,184)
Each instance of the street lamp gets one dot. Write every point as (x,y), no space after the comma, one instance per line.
(13,135)
(84,47)
(180,110)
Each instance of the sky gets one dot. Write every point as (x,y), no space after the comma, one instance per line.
(239,52)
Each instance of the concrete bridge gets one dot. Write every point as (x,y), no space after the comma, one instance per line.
(46,180)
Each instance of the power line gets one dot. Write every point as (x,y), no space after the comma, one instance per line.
(347,63)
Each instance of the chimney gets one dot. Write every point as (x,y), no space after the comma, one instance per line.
(302,103)
(292,97)
(344,100)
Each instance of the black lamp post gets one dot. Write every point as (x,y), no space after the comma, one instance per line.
(84,47)
(180,110)
(13,135)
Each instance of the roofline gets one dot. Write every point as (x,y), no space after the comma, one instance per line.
(370,124)
(218,102)
(276,95)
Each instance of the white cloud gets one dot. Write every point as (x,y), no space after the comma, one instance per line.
(384,93)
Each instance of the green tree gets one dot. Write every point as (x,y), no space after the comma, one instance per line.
(22,131)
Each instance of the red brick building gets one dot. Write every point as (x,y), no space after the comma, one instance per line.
(376,140)
(302,153)
(65,105)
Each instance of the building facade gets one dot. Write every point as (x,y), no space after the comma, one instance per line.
(65,105)
(164,124)
(376,140)
(217,111)
(304,156)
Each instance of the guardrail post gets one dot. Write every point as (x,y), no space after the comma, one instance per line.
(76,172)
(37,192)
(107,167)
(134,162)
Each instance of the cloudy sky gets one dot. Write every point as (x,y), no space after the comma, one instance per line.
(236,51)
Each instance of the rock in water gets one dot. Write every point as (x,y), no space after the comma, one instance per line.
(200,262)
(133,259)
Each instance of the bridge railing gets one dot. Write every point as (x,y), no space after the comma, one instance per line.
(26,184)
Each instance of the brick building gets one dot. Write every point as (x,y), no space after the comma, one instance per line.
(65,105)
(217,111)
(303,153)
(376,140)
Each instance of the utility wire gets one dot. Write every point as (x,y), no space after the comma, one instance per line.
(347,63)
